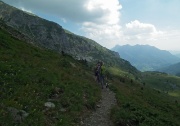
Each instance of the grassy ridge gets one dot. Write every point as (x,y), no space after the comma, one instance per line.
(30,76)
(142,106)
(162,82)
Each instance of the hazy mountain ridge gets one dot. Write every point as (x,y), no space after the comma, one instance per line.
(178,55)
(145,57)
(172,69)
(52,36)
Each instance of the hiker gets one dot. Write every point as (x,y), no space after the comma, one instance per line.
(97,72)
(102,74)
(62,52)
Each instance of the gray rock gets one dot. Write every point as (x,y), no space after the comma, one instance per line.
(23,113)
(98,106)
(63,110)
(18,115)
(49,105)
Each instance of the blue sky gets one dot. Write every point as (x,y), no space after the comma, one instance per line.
(112,22)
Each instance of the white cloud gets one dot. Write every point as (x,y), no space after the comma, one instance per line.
(141,33)
(106,28)
(110,8)
(106,35)
(136,32)
(64,20)
(23,9)
(74,10)
(136,28)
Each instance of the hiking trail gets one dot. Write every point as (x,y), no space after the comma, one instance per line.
(100,117)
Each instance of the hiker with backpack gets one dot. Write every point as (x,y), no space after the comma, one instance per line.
(97,72)
(100,73)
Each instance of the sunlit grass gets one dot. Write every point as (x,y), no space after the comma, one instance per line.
(174,93)
(140,105)
(116,71)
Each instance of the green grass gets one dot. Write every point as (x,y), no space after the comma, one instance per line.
(161,81)
(29,76)
(175,93)
(115,71)
(139,105)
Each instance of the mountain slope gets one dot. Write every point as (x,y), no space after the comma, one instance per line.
(139,105)
(172,69)
(32,77)
(145,57)
(52,36)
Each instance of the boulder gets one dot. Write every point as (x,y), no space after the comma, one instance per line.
(18,115)
(49,105)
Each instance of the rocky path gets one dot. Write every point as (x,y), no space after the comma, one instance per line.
(100,117)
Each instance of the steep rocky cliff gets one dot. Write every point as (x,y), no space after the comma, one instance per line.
(51,35)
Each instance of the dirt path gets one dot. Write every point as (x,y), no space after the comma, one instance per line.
(100,117)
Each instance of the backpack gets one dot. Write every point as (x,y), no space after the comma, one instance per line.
(102,70)
(98,70)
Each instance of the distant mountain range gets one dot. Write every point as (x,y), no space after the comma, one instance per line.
(145,57)
(178,55)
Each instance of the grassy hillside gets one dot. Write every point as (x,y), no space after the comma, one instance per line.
(30,77)
(162,82)
(139,105)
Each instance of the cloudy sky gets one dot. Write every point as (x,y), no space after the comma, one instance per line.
(112,22)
